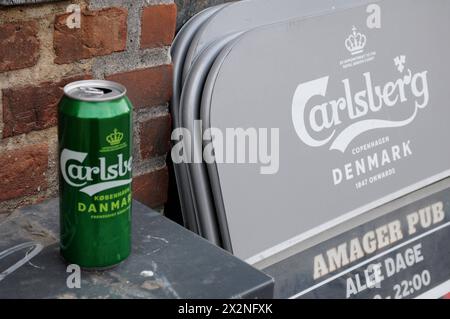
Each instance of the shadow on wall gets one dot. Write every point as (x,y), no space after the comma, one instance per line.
(187,8)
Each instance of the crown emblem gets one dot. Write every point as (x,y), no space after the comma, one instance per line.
(114,138)
(356,42)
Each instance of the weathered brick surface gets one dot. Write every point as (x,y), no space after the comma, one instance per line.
(158,25)
(102,32)
(37,46)
(22,171)
(147,87)
(151,189)
(155,136)
(32,108)
(19,45)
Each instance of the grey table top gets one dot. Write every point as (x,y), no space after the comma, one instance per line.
(167,262)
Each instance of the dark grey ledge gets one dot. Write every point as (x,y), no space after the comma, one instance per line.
(180,264)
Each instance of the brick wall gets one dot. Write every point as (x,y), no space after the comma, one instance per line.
(122,40)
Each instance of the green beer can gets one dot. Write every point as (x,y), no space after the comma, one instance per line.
(95,173)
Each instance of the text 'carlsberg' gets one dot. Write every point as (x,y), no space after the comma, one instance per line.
(357,110)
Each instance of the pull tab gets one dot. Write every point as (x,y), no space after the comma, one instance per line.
(91,91)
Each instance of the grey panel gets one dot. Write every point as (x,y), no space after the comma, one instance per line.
(212,175)
(220,25)
(247,14)
(179,49)
(198,177)
(190,112)
(302,199)
(187,9)
(178,52)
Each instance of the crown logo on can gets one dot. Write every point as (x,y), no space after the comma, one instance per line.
(356,42)
(114,138)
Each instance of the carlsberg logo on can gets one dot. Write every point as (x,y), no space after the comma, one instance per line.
(340,120)
(81,176)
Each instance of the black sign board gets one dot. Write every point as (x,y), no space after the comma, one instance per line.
(402,255)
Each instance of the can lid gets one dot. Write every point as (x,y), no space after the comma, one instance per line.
(95,90)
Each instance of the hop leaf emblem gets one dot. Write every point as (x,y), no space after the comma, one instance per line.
(400,62)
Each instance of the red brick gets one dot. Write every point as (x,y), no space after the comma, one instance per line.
(147,87)
(158,25)
(19,45)
(22,171)
(151,189)
(102,32)
(32,108)
(155,136)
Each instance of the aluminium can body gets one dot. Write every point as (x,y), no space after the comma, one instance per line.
(95,174)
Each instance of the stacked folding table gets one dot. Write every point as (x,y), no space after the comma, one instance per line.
(349,101)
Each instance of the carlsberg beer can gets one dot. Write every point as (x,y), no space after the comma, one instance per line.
(95,173)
